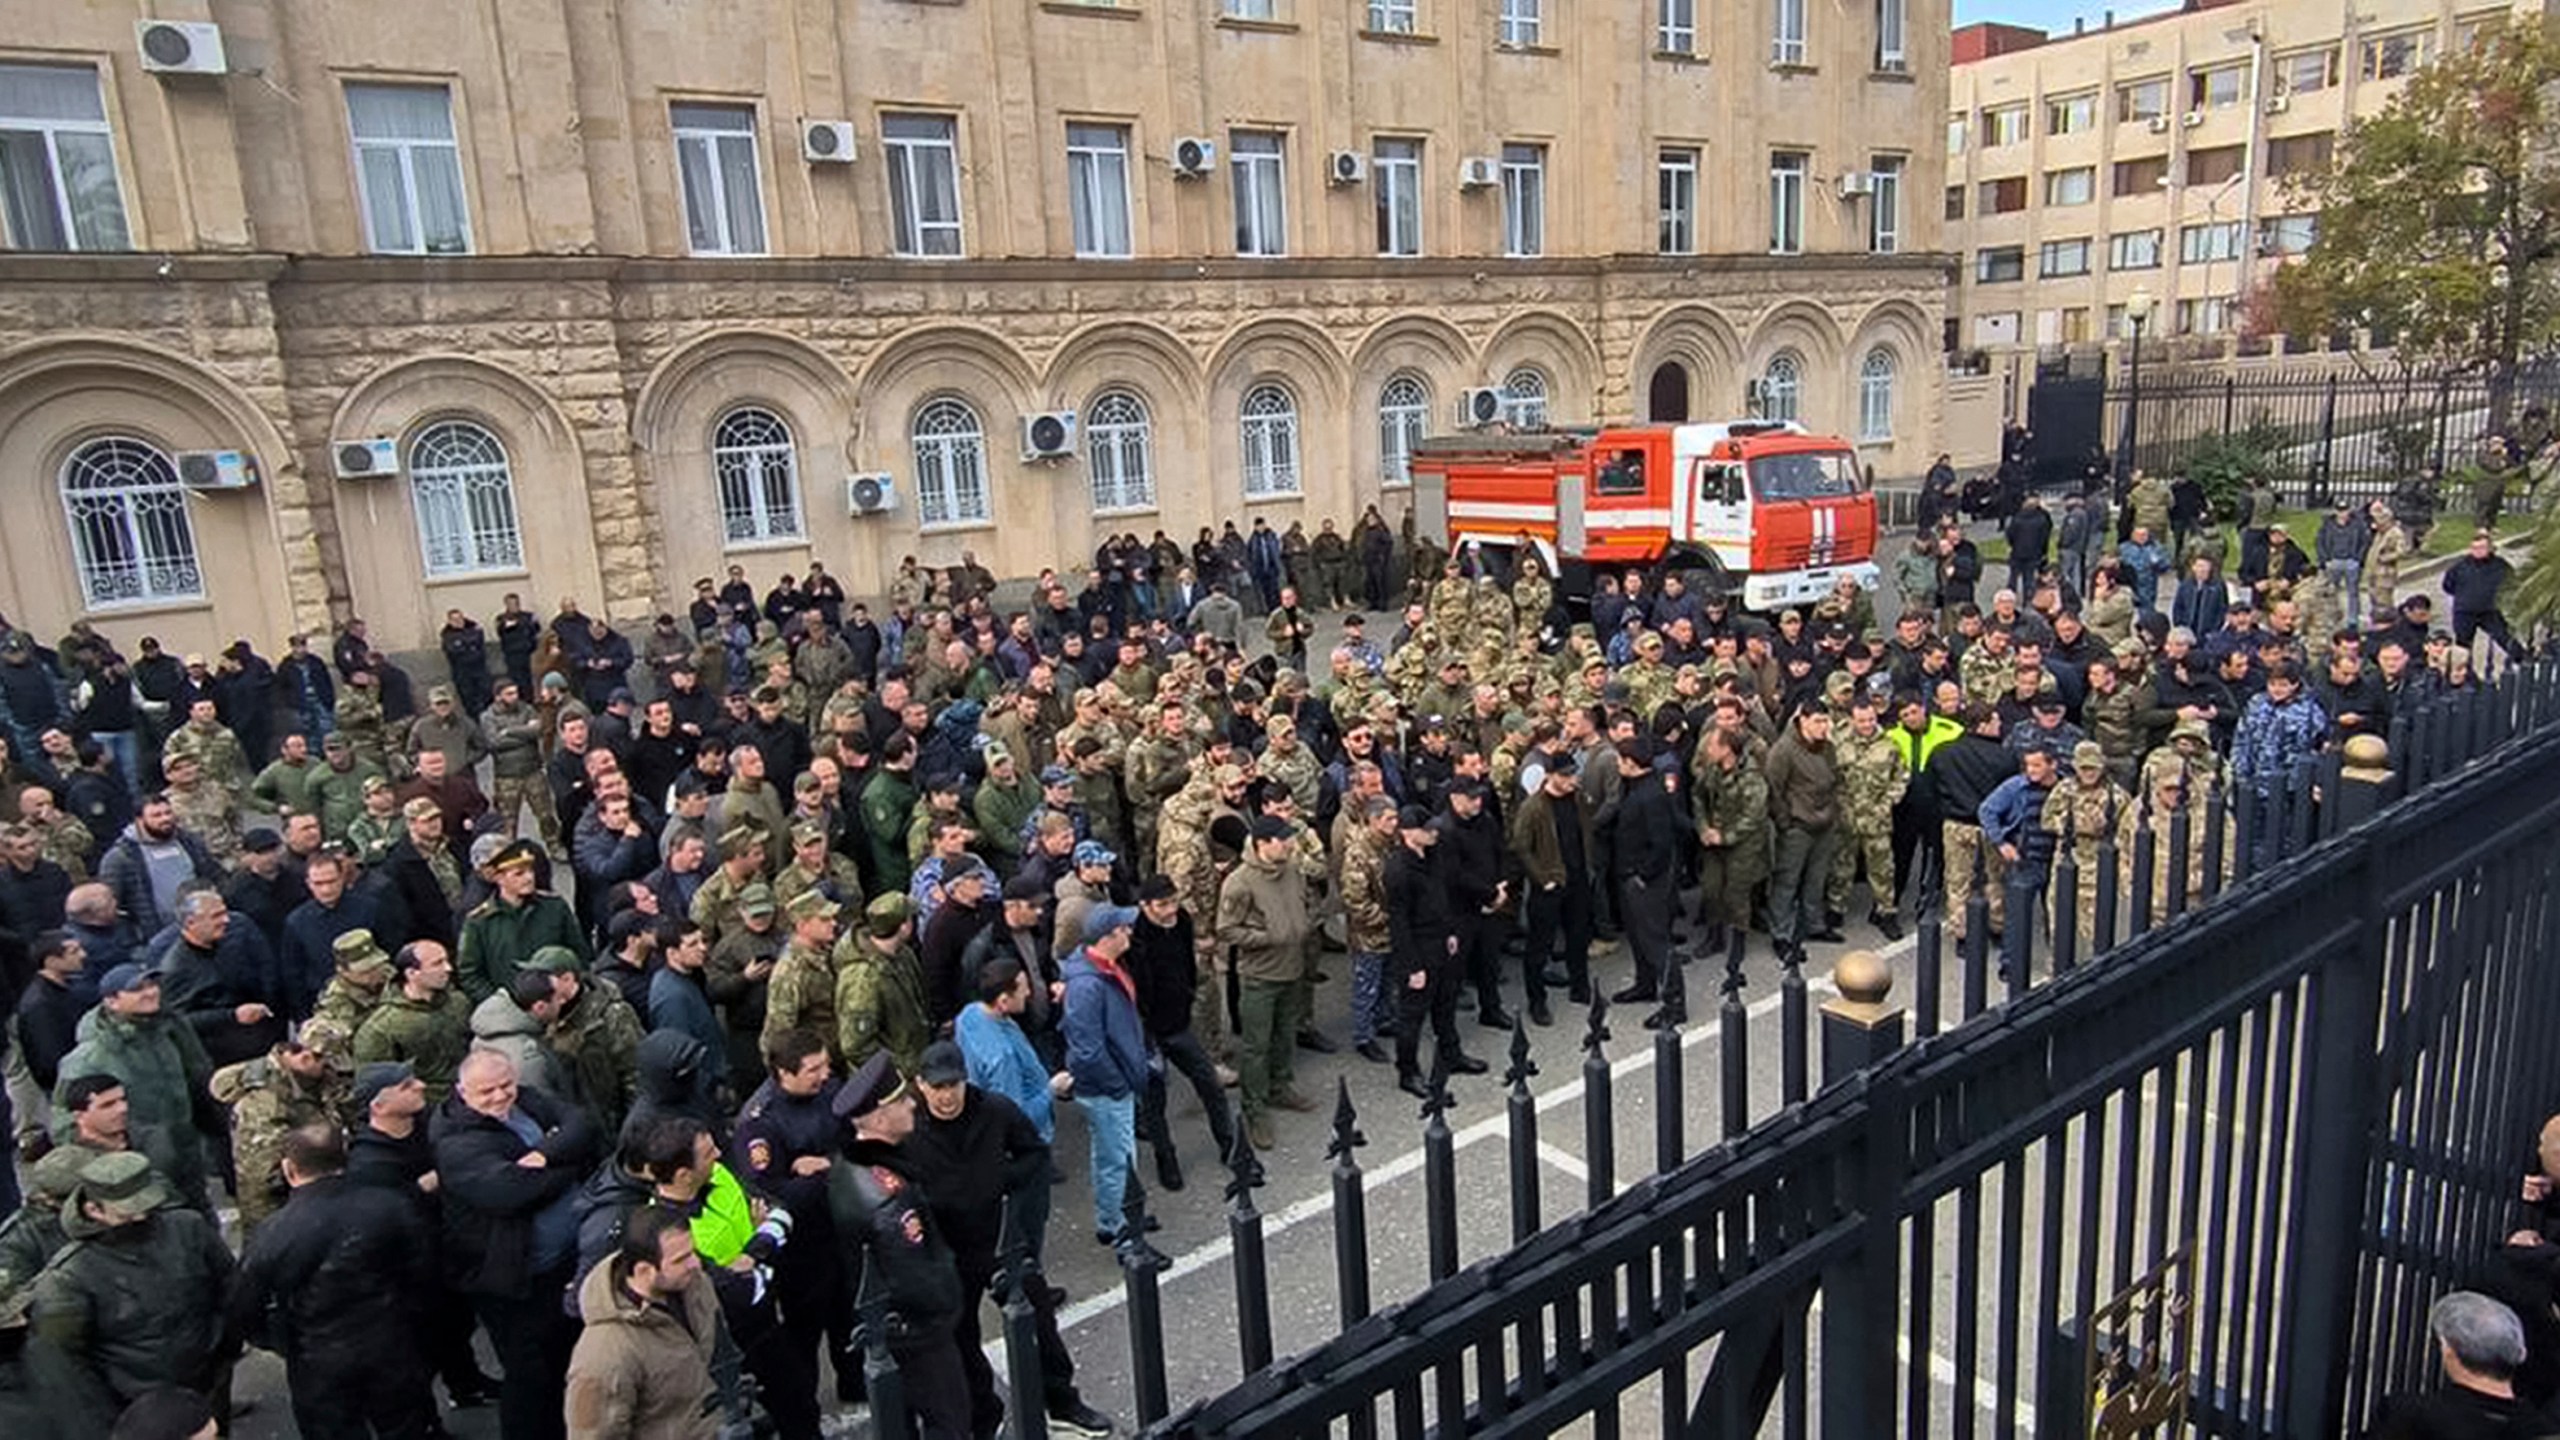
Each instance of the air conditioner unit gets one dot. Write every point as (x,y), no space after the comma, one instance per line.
(826,142)
(1193,157)
(2159,124)
(216,470)
(375,459)
(2194,118)
(1347,167)
(2278,104)
(874,494)
(1049,436)
(1479,407)
(180,47)
(1476,172)
(1857,182)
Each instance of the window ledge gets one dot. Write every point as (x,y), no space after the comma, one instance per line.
(1793,67)
(1548,52)
(1097,10)
(1398,37)
(1257,27)
(956,527)
(144,609)
(1285,497)
(1681,57)
(1893,77)
(1123,512)
(758,547)
(476,577)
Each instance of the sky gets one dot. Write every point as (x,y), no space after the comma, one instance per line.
(2054,15)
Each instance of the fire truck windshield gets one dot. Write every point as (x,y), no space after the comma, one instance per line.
(1811,475)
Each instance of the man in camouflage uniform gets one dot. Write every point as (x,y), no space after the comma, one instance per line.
(1872,779)
(1453,601)
(815,867)
(425,1021)
(1989,667)
(1156,767)
(1290,764)
(59,838)
(1183,855)
(802,993)
(715,903)
(1331,555)
(2110,711)
(2083,807)
(1730,802)
(1649,682)
(879,1003)
(594,1032)
(203,739)
(362,973)
(299,1082)
(1097,790)
(204,810)
(739,974)
(512,732)
(2188,753)
(359,716)
(336,787)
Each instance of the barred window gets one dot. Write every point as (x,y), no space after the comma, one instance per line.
(1782,387)
(951,464)
(466,500)
(1875,395)
(131,536)
(1524,398)
(1404,412)
(1270,433)
(1119,453)
(759,474)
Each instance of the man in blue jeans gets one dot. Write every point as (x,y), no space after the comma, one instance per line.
(1107,1058)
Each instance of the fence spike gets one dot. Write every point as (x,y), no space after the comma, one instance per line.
(1517,1074)
(1597,1033)
(1346,1125)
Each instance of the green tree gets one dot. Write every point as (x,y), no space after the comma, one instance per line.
(2440,217)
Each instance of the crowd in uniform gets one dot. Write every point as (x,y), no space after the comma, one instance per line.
(634,1060)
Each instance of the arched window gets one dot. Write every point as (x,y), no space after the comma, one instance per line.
(1119,452)
(466,500)
(759,474)
(1524,398)
(1404,410)
(951,463)
(1875,395)
(1270,416)
(1782,387)
(130,533)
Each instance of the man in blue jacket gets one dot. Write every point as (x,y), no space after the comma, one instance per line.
(1107,1058)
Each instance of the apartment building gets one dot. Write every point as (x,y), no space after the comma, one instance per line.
(2150,158)
(310,308)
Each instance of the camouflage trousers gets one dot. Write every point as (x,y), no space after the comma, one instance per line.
(508,800)
(1965,853)
(1209,1004)
(2082,906)
(1872,842)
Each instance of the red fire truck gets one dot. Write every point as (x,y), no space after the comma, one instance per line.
(1769,512)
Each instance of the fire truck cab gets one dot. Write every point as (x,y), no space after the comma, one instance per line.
(1769,512)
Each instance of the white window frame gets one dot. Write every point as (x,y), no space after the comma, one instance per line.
(735,224)
(1782,387)
(2210,243)
(1787,22)
(2206,315)
(1395,175)
(2058,186)
(2397,55)
(2219,87)
(1523,22)
(1524,201)
(1878,375)
(1893,28)
(914,235)
(132,539)
(1395,17)
(2285,235)
(1788,172)
(1404,417)
(1098,190)
(2132,95)
(1884,204)
(2127,249)
(1997,132)
(756,463)
(1525,393)
(950,446)
(1252,9)
(1267,429)
(91,222)
(2323,67)
(441,157)
(462,487)
(1119,453)
(1675,27)
(1675,194)
(1959,128)
(2075,253)
(1982,268)
(2071,114)
(1259,178)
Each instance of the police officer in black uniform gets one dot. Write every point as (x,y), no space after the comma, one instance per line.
(880,1215)
(784,1149)
(1424,962)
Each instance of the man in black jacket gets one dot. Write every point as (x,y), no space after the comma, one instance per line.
(1960,775)
(331,1283)
(1650,828)
(388,1150)
(1424,953)
(1163,963)
(508,1166)
(883,1219)
(1471,856)
(973,1153)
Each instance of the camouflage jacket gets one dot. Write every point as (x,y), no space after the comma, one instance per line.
(879,1005)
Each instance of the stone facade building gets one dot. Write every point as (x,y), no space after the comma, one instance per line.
(622,323)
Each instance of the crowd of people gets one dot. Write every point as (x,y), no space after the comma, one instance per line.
(625,1003)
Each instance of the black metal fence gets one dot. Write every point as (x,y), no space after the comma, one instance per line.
(2331,432)
(2211,1161)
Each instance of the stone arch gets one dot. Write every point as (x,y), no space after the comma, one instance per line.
(1130,353)
(378,529)
(1557,345)
(1298,352)
(672,420)
(59,392)
(1903,330)
(948,356)
(981,368)
(1703,342)
(1424,346)
(1312,368)
(1814,335)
